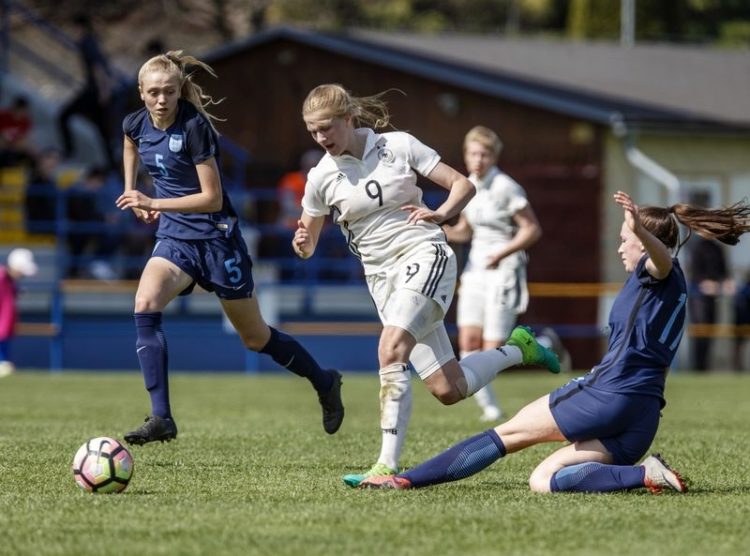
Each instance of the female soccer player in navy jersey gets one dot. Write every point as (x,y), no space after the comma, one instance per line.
(610,415)
(198,240)
(369,181)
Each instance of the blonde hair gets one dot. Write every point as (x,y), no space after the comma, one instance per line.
(175,63)
(485,137)
(337,102)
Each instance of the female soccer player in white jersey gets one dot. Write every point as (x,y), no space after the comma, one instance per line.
(369,180)
(199,241)
(500,224)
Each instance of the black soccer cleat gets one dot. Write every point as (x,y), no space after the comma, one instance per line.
(153,429)
(333,408)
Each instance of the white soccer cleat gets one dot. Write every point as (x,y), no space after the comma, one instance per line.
(659,475)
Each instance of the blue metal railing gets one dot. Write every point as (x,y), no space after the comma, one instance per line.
(9,8)
(332,263)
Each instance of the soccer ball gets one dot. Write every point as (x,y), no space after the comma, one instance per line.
(102,464)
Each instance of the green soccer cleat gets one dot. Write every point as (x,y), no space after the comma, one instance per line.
(533,353)
(377,470)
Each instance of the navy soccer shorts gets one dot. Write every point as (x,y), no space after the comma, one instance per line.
(625,423)
(221,265)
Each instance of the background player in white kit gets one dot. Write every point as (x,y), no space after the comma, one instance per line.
(368,180)
(500,224)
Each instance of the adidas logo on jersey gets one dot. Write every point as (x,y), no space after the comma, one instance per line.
(340,177)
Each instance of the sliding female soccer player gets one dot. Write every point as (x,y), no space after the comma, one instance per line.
(610,415)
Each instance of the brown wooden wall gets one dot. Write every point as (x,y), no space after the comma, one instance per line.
(558,160)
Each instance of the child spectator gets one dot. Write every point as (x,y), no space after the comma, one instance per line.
(93,101)
(20,264)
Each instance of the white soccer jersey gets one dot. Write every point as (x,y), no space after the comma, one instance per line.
(490,214)
(367,197)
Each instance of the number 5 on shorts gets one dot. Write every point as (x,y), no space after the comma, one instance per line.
(235,274)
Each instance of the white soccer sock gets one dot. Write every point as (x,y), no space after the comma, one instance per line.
(481,367)
(485,396)
(395,411)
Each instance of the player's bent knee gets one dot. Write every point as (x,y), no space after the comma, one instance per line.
(252,346)
(447,395)
(146,305)
(253,342)
(393,359)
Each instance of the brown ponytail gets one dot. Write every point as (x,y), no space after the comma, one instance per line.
(725,225)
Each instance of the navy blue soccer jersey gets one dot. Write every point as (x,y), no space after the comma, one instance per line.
(170,157)
(646,321)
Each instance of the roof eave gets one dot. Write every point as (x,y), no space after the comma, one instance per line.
(588,106)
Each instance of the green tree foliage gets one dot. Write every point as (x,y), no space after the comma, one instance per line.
(705,21)
(476,16)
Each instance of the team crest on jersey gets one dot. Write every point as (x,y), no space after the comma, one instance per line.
(386,155)
(175,143)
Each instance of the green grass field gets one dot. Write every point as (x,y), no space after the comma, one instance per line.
(252,472)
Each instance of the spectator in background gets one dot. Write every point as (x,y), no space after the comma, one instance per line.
(93,100)
(20,264)
(93,229)
(41,193)
(291,188)
(15,127)
(709,279)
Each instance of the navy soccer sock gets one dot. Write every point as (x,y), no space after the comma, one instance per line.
(461,460)
(151,347)
(597,477)
(290,354)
